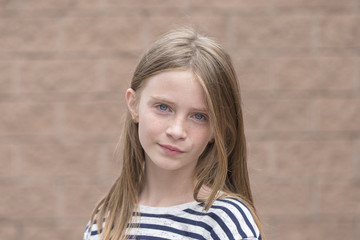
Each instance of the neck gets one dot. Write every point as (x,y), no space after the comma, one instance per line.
(164,188)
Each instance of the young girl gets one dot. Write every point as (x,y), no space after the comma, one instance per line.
(184,173)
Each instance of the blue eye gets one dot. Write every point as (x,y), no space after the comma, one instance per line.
(199,116)
(163,107)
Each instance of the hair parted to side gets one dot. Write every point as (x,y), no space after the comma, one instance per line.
(222,166)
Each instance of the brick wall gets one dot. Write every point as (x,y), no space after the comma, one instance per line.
(64,67)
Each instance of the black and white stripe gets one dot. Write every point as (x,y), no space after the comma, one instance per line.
(226,219)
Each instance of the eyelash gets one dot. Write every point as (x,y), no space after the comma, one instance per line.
(159,106)
(164,108)
(203,117)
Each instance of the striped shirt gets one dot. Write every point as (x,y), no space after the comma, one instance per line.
(226,219)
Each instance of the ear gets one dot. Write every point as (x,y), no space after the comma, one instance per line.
(132,104)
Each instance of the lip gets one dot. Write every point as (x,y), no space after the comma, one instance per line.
(172,150)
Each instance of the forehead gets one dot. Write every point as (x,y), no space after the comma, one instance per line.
(180,86)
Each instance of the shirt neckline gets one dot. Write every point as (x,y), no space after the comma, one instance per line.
(145,208)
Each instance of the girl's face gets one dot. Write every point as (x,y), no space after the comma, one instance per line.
(174,127)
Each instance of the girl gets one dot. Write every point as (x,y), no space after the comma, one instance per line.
(184,173)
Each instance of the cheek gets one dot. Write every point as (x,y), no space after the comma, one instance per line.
(203,137)
(149,128)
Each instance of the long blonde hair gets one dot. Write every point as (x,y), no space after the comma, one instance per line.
(222,167)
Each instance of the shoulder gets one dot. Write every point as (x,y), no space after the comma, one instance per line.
(233,219)
(91,232)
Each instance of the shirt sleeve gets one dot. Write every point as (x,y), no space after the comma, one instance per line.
(87,232)
(235,220)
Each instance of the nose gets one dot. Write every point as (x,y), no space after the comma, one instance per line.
(176,128)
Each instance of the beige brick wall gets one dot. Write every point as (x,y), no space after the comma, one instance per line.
(64,66)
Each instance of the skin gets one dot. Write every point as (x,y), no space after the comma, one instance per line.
(174,130)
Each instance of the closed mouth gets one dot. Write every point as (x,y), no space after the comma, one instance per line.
(171,148)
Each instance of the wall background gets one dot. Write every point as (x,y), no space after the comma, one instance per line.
(64,67)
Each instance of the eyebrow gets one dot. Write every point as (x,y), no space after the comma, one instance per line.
(162,99)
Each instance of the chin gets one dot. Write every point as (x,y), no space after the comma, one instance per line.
(170,166)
